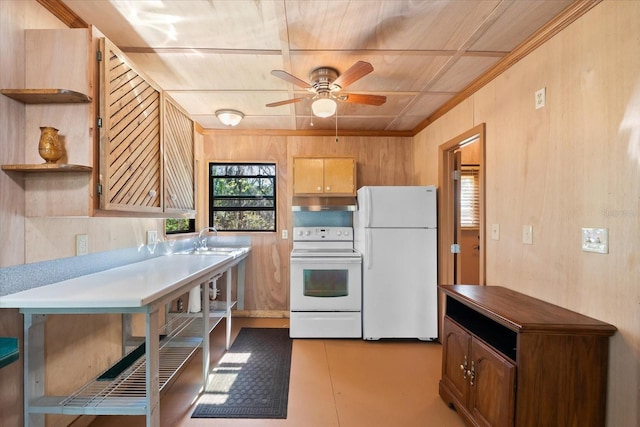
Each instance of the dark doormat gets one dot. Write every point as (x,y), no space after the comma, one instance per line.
(252,378)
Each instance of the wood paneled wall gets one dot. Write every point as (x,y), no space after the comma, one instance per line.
(380,161)
(574,163)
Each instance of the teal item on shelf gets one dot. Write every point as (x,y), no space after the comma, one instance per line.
(9,351)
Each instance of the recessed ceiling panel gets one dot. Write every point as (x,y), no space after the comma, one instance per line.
(238,24)
(464,71)
(211,71)
(372,24)
(510,29)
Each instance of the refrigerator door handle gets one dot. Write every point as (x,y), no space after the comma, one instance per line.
(367,219)
(368,241)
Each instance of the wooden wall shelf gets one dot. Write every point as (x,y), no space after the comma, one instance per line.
(46,167)
(46,96)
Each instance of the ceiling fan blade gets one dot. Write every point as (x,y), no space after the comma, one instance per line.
(355,72)
(290,78)
(364,99)
(285,102)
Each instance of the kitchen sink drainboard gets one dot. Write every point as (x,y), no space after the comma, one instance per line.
(126,394)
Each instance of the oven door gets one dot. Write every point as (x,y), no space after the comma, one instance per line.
(326,284)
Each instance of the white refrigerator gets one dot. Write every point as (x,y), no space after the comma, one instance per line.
(395,229)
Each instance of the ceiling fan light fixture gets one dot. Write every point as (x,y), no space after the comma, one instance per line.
(229,117)
(324,107)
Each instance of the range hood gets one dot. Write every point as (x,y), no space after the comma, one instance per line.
(321,204)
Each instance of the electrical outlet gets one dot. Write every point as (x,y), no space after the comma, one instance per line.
(285,234)
(595,240)
(82,244)
(541,98)
(152,237)
(527,235)
(495,231)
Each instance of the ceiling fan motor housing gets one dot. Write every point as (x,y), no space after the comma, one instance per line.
(322,80)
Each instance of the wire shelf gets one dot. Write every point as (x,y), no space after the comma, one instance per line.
(126,393)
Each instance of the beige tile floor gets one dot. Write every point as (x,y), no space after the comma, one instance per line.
(334,383)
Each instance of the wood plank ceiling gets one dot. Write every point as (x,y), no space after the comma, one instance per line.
(427,55)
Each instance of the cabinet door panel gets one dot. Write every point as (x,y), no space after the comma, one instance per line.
(179,195)
(492,395)
(339,176)
(308,176)
(130,152)
(455,350)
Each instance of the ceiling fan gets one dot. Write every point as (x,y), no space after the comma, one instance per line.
(326,86)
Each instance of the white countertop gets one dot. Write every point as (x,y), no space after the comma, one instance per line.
(131,286)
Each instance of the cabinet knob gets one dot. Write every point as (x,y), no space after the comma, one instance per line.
(319,188)
(328,188)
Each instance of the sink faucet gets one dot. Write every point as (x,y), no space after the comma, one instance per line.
(203,242)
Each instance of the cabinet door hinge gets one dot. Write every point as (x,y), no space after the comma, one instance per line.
(99,122)
(98,56)
(99,189)
(455,248)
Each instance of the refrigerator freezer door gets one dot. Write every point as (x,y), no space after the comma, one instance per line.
(399,292)
(396,207)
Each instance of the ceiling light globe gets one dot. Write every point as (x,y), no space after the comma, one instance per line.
(324,107)
(229,117)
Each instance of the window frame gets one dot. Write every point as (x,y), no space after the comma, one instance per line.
(212,199)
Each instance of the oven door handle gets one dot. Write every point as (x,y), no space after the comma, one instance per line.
(326,260)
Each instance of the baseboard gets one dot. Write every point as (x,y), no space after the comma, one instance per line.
(272,314)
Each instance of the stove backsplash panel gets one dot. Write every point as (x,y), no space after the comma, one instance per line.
(326,219)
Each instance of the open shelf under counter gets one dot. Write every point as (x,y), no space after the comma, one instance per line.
(46,168)
(46,96)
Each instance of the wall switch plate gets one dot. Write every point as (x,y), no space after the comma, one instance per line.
(82,244)
(595,240)
(527,234)
(495,231)
(152,237)
(541,98)
(285,234)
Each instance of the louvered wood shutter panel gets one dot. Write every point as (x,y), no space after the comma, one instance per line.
(130,157)
(178,143)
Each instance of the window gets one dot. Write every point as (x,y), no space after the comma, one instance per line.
(242,196)
(470,197)
(179,225)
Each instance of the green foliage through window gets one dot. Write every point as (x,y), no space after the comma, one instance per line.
(242,196)
(179,225)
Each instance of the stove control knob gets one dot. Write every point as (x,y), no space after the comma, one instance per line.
(346,232)
(300,233)
(339,233)
(307,233)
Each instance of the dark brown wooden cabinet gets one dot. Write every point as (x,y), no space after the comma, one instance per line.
(513,360)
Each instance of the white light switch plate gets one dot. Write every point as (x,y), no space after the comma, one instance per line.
(495,231)
(595,240)
(541,98)
(527,234)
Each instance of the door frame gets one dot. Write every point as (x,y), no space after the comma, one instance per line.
(447,199)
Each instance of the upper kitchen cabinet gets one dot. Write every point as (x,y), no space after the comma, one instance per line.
(131,177)
(60,91)
(179,191)
(324,176)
